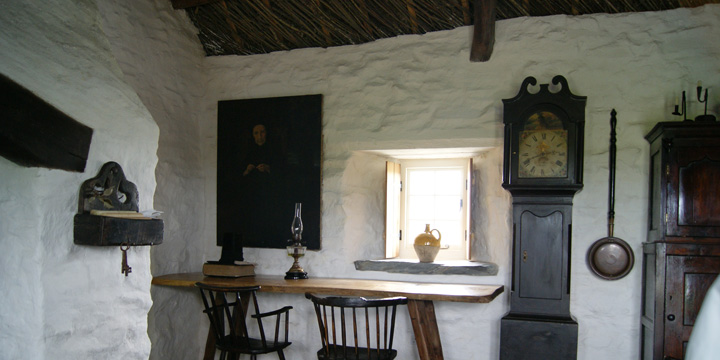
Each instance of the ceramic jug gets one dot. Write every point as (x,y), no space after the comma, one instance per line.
(426,245)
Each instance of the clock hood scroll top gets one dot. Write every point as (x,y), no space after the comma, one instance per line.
(559,97)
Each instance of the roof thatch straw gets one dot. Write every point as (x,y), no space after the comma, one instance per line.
(244,27)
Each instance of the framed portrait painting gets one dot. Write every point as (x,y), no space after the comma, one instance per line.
(269,158)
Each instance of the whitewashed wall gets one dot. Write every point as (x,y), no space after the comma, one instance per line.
(161,58)
(421,91)
(59,300)
(64,301)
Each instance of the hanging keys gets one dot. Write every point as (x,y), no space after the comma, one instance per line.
(126,269)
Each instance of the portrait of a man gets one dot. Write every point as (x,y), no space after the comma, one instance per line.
(269,158)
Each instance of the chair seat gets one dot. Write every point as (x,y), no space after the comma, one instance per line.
(338,353)
(237,345)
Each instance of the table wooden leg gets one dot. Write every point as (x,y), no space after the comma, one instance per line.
(427,336)
(210,345)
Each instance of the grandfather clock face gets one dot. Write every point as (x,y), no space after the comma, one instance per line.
(543,147)
(544,137)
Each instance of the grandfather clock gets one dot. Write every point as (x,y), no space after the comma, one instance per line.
(543,168)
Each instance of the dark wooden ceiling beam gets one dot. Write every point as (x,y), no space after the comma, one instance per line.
(483,31)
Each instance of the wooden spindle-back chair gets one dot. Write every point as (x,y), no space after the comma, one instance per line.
(227,308)
(341,320)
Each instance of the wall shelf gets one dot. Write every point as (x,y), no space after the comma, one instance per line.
(109,192)
(109,231)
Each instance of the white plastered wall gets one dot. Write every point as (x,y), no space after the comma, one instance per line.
(421,91)
(161,58)
(72,302)
(60,300)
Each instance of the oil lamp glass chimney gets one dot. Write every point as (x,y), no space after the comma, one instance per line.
(296,250)
(297,225)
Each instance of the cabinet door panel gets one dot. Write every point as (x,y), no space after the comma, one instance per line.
(696,286)
(687,281)
(695,208)
(694,167)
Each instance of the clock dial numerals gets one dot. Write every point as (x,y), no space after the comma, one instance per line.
(542,154)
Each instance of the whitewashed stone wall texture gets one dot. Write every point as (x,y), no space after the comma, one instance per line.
(421,91)
(405,92)
(62,301)
(171,83)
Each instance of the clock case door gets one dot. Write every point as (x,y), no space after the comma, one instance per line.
(541,257)
(570,109)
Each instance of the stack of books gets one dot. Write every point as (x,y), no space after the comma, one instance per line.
(237,269)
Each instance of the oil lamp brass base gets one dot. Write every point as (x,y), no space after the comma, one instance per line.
(296,275)
(296,272)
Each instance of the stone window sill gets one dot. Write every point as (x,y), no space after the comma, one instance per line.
(407,266)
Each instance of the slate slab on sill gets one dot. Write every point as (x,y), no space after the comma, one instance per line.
(408,266)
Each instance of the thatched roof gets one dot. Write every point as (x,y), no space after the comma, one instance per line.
(244,27)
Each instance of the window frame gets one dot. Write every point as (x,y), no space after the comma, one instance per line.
(399,243)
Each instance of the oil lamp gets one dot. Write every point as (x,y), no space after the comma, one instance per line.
(296,250)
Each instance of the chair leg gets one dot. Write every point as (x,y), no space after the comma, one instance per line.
(281,355)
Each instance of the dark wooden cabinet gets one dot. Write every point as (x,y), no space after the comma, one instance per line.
(681,257)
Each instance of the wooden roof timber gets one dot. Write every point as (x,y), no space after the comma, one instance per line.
(466,12)
(483,31)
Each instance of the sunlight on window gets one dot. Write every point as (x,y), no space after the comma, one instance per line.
(435,196)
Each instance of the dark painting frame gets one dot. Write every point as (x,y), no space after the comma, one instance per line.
(256,204)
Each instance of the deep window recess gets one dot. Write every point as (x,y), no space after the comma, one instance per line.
(428,191)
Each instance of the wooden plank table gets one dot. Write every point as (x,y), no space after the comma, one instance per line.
(420,297)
